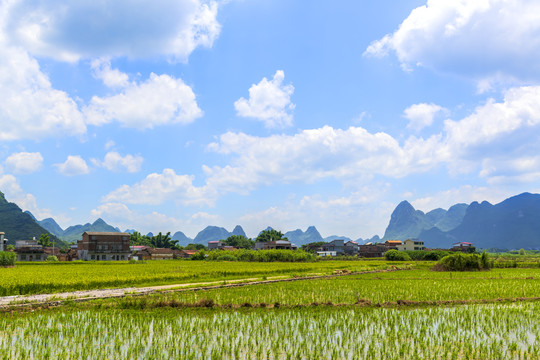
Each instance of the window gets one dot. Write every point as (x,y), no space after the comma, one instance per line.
(93,237)
(123,258)
(93,257)
(125,238)
(38,257)
(23,257)
(103,257)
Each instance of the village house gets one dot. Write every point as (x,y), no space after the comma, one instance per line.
(372,250)
(462,246)
(3,242)
(351,248)
(337,245)
(103,246)
(186,253)
(275,245)
(29,250)
(411,245)
(216,244)
(149,253)
(393,244)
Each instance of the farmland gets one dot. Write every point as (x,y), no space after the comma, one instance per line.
(35,278)
(415,313)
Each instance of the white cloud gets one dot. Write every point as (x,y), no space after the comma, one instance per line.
(127,218)
(522,169)
(24,162)
(315,154)
(115,162)
(422,115)
(158,188)
(464,194)
(30,108)
(489,40)
(110,77)
(10,186)
(110,144)
(74,165)
(497,130)
(327,213)
(70,30)
(269,102)
(160,100)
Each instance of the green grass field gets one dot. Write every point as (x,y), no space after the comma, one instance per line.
(406,314)
(40,278)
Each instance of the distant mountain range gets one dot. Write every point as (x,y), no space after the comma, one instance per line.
(18,225)
(511,224)
(74,233)
(406,222)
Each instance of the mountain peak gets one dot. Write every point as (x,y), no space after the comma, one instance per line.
(238,231)
(3,198)
(99,221)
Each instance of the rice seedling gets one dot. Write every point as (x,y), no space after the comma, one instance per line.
(468,332)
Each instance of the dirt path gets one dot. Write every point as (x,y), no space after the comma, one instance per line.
(86,295)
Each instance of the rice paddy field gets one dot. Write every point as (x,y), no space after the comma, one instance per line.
(405,314)
(41,278)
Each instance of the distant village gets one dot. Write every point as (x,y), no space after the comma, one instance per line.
(115,246)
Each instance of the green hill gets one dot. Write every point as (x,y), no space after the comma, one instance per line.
(19,225)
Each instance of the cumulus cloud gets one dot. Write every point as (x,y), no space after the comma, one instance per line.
(497,130)
(269,102)
(160,100)
(30,108)
(24,162)
(125,218)
(74,165)
(422,115)
(113,161)
(310,155)
(72,30)
(111,77)
(158,188)
(463,194)
(13,192)
(489,40)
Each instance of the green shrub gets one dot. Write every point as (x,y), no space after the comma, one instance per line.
(261,255)
(7,258)
(464,262)
(395,255)
(52,258)
(227,257)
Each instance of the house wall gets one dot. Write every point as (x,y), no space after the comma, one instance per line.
(104,246)
(411,245)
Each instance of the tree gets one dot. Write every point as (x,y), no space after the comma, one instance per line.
(240,241)
(312,247)
(521,251)
(137,239)
(270,235)
(163,241)
(45,240)
(195,247)
(10,247)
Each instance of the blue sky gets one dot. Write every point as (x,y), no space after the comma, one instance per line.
(175,115)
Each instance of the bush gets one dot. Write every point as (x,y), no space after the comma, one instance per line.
(52,258)
(7,258)
(260,255)
(464,262)
(227,257)
(395,255)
